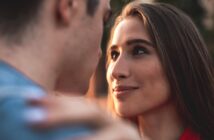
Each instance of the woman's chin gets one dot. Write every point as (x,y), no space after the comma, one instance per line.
(126,114)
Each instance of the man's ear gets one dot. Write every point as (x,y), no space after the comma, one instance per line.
(66,10)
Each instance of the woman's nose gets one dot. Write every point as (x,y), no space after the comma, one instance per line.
(120,69)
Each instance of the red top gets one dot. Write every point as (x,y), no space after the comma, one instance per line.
(188,134)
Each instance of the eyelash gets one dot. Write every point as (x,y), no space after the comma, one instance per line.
(139,50)
(114,55)
(135,52)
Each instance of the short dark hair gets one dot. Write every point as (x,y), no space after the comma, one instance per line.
(15,16)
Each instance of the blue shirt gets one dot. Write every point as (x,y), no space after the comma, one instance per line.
(15,89)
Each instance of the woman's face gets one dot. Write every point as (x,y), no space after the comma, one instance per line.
(135,75)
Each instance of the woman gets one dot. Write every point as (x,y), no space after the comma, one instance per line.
(160,73)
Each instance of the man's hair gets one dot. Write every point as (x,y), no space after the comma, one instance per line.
(16,16)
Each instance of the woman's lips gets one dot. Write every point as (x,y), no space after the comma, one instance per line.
(120,91)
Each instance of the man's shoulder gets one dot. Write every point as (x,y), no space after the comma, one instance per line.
(9,75)
(15,90)
(13,107)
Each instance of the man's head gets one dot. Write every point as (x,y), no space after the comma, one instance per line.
(61,36)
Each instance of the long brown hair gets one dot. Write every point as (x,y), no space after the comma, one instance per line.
(185,59)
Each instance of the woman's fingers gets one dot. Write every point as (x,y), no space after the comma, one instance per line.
(70,110)
(78,110)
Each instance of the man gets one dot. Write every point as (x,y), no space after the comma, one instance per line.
(46,45)
(51,45)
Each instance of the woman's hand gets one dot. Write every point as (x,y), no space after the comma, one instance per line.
(78,110)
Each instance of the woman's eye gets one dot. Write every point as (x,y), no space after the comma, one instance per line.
(138,50)
(114,55)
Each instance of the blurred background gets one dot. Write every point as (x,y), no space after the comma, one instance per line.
(201,12)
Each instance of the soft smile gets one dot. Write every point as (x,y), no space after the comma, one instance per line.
(119,91)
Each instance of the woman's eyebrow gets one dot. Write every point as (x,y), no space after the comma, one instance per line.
(133,41)
(143,41)
(113,47)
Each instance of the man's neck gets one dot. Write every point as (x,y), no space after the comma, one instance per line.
(30,60)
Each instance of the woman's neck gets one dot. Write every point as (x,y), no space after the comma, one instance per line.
(162,123)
